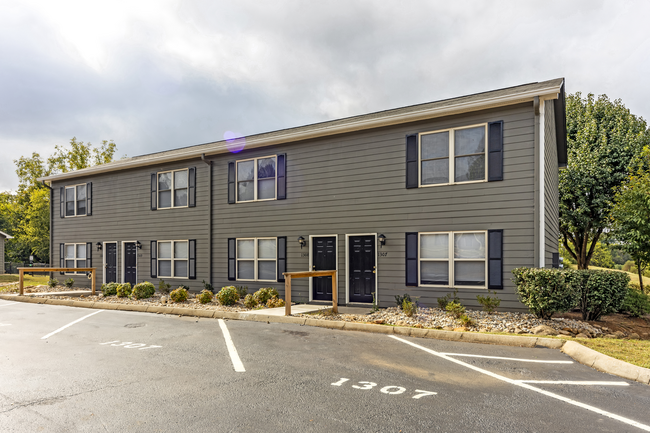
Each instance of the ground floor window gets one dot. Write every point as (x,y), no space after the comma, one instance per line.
(75,256)
(173,259)
(455,259)
(257,259)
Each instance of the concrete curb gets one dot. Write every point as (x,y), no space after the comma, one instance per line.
(578,352)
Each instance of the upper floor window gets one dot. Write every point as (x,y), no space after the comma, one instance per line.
(453,156)
(75,200)
(256,179)
(172,188)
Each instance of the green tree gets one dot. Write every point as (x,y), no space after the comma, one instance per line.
(602,257)
(80,155)
(631,215)
(603,139)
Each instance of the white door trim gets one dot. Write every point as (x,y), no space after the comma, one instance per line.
(123,263)
(311,260)
(117,268)
(347,264)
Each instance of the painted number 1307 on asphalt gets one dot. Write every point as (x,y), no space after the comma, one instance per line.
(391,390)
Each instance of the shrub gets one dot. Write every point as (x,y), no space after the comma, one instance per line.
(208,287)
(250,301)
(636,303)
(182,286)
(544,291)
(123,290)
(178,295)
(399,300)
(465,320)
(205,296)
(410,308)
(275,302)
(69,283)
(263,295)
(228,295)
(143,290)
(163,287)
(489,304)
(110,289)
(52,283)
(242,291)
(627,267)
(443,301)
(455,308)
(598,292)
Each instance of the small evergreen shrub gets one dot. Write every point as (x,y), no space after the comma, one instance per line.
(110,289)
(163,287)
(455,308)
(228,295)
(275,302)
(208,287)
(205,297)
(410,308)
(69,283)
(250,302)
(179,295)
(399,300)
(263,295)
(598,292)
(544,291)
(143,290)
(124,290)
(465,320)
(242,291)
(52,283)
(489,303)
(636,303)
(182,286)
(443,301)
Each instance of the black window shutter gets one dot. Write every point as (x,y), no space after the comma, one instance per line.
(282,177)
(154,191)
(61,257)
(495,259)
(89,198)
(62,203)
(555,260)
(192,262)
(412,161)
(89,254)
(411,259)
(154,261)
(231,182)
(232,254)
(495,151)
(191,190)
(282,257)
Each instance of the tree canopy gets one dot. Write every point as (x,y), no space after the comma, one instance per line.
(603,140)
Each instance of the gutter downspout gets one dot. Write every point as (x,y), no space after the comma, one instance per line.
(51,223)
(209,217)
(536,186)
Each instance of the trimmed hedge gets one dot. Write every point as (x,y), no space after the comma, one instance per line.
(179,295)
(228,295)
(143,290)
(599,292)
(124,290)
(636,303)
(110,289)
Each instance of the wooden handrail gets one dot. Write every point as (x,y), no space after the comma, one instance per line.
(21,271)
(305,274)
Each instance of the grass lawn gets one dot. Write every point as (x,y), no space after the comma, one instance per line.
(633,277)
(28,280)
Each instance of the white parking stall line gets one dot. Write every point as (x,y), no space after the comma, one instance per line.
(527,386)
(69,324)
(11,303)
(508,359)
(575,382)
(232,350)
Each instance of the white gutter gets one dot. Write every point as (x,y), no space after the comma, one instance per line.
(318,130)
(6,235)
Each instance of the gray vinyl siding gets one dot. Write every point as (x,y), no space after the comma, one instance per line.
(551,186)
(121,212)
(355,184)
(2,254)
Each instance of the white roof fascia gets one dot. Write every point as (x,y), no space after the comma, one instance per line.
(318,130)
(6,235)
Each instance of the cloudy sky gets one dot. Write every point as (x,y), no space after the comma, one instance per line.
(160,74)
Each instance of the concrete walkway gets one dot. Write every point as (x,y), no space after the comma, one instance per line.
(71,293)
(295,309)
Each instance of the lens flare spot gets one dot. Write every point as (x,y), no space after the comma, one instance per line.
(234,141)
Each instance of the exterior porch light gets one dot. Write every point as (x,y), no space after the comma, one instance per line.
(382,240)
(99,246)
(302,242)
(138,245)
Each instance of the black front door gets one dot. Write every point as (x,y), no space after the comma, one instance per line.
(361,268)
(323,259)
(111,263)
(130,261)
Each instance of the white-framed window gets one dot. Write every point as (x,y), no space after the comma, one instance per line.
(74,256)
(172,188)
(75,200)
(451,156)
(453,259)
(173,259)
(257,259)
(257,179)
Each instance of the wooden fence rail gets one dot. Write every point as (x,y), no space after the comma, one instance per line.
(287,287)
(22,271)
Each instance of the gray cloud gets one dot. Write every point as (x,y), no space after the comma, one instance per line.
(170,74)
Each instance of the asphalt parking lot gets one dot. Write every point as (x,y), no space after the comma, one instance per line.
(73,369)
